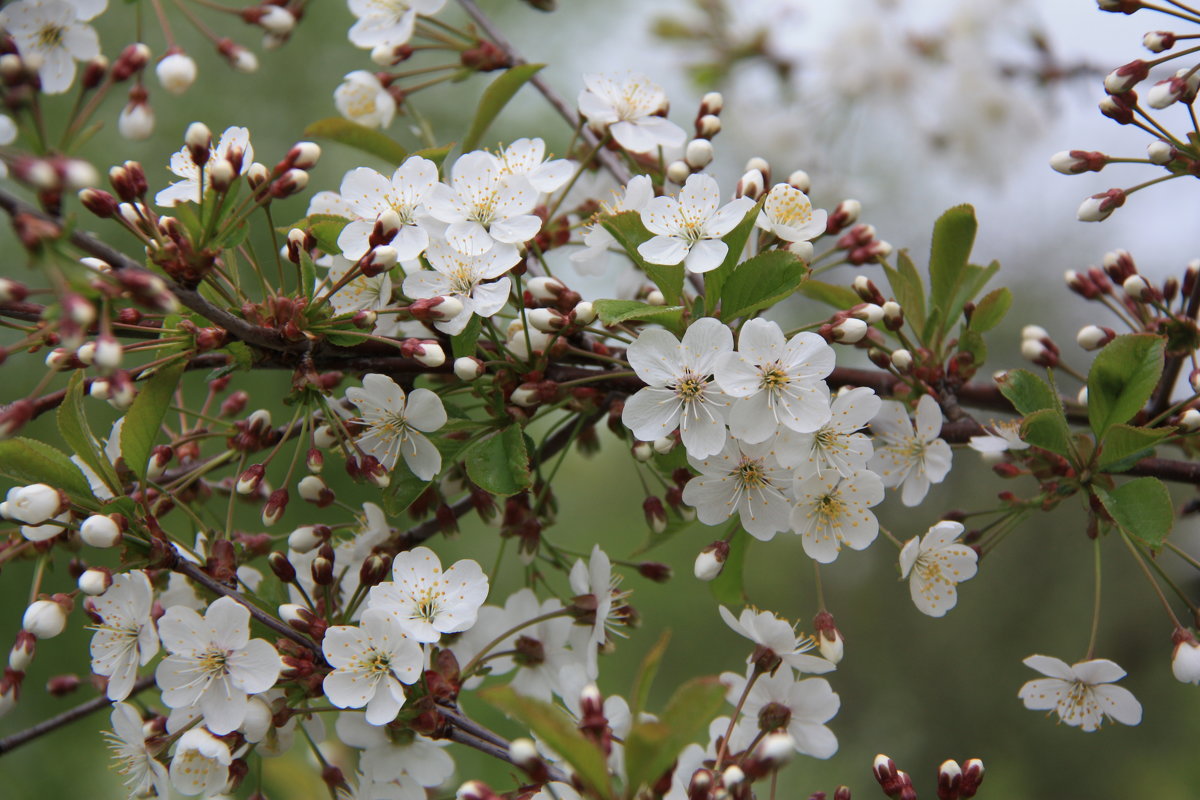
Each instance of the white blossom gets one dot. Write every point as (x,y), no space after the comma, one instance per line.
(385,758)
(597,240)
(629,108)
(200,764)
(484,206)
(832,511)
(191,188)
(427,601)
(469,278)
(143,773)
(801,708)
(369,194)
(681,392)
(371,663)
(527,158)
(906,457)
(396,424)
(1002,436)
(745,479)
(788,213)
(595,577)
(52,32)
(777,635)
(1082,695)
(125,638)
(213,662)
(689,227)
(388,23)
(837,445)
(934,565)
(361,98)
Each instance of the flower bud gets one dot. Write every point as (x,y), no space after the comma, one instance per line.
(868,313)
(655,514)
(776,749)
(1158,41)
(45,619)
(708,126)
(711,103)
(1125,77)
(322,566)
(1136,288)
(546,320)
(136,120)
(374,570)
(733,775)
(1185,658)
(544,289)
(1190,420)
(642,451)
(585,313)
(1074,162)
(830,641)
(655,298)
(972,777)
(95,581)
(250,480)
(314,490)
(1160,152)
(699,153)
(307,537)
(902,360)
(949,778)
(1093,337)
(849,331)
(176,72)
(467,368)
(21,655)
(430,354)
(751,185)
(1100,206)
(33,504)
(711,561)
(100,530)
(678,172)
(281,566)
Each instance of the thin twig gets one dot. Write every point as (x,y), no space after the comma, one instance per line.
(10,743)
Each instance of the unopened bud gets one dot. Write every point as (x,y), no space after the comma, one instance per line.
(467,368)
(45,619)
(849,331)
(1093,337)
(711,561)
(751,185)
(100,530)
(708,126)
(1100,206)
(699,153)
(95,581)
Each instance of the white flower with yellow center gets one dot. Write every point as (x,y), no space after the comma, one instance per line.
(213,663)
(837,445)
(597,240)
(485,206)
(50,33)
(388,23)
(361,98)
(788,213)
(1081,694)
(832,511)
(745,479)
(372,661)
(361,293)
(396,424)
(595,578)
(1001,437)
(934,565)
(195,179)
(527,158)
(689,228)
(143,774)
(908,457)
(777,381)
(427,601)
(631,108)
(125,637)
(200,764)
(680,391)
(466,278)
(369,194)
(779,636)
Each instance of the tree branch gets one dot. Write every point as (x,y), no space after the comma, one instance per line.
(10,743)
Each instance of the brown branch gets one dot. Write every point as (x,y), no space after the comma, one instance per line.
(10,743)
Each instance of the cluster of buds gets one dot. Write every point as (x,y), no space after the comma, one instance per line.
(861,245)
(954,782)
(1038,347)
(698,153)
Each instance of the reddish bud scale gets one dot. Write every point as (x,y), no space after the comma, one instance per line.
(62,685)
(1120,107)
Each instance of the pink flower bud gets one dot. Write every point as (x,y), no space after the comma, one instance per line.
(1074,162)
(1100,206)
(1126,76)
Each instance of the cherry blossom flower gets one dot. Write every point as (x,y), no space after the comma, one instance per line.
(143,772)
(196,180)
(597,240)
(388,23)
(934,565)
(213,662)
(906,457)
(422,760)
(371,661)
(597,579)
(788,213)
(362,293)
(361,98)
(1082,695)
(681,392)
(630,109)
(832,511)
(689,228)
(484,206)
(427,601)
(836,445)
(125,637)
(200,764)
(369,194)
(1002,436)
(32,504)
(396,424)
(776,381)
(53,32)
(467,278)
(777,635)
(745,479)
(780,702)
(527,158)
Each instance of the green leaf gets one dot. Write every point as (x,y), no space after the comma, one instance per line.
(1124,445)
(628,230)
(1142,508)
(144,417)
(953,237)
(326,228)
(499,464)
(360,137)
(435,154)
(840,297)
(972,342)
(727,587)
(1048,430)
(612,312)
(645,675)
(404,487)
(73,425)
(495,98)
(651,747)
(308,274)
(907,288)
(1026,391)
(991,310)
(760,282)
(559,733)
(31,461)
(736,241)
(1122,378)
(464,343)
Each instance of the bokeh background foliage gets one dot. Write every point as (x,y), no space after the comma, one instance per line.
(919,689)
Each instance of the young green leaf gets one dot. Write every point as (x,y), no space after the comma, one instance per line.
(1123,445)
(1122,378)
(736,241)
(760,282)
(144,417)
(991,310)
(499,464)
(465,342)
(31,461)
(325,229)
(73,425)
(628,230)
(495,98)
(840,297)
(1026,391)
(612,312)
(1048,430)
(907,288)
(559,733)
(1142,508)
(953,237)
(651,747)
(645,675)
(727,588)
(360,137)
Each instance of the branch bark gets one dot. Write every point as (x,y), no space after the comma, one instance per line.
(10,743)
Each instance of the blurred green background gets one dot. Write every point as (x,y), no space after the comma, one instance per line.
(919,689)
